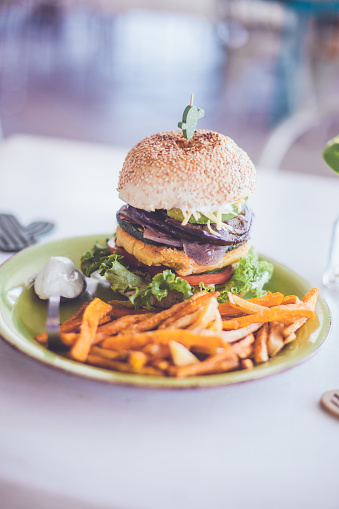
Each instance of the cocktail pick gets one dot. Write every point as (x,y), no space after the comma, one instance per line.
(190,118)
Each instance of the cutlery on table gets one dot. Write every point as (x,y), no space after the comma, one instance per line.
(15,237)
(330,401)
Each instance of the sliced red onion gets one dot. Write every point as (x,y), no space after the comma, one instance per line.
(241,226)
(162,238)
(196,240)
(204,254)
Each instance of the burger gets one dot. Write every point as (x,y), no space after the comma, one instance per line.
(186,224)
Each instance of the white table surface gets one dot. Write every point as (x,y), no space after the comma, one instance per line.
(262,444)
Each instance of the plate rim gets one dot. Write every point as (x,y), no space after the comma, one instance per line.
(38,353)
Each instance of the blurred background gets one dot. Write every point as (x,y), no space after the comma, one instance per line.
(115,71)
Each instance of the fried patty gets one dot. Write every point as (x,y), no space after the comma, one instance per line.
(173,258)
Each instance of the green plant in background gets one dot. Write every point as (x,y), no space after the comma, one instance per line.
(331,154)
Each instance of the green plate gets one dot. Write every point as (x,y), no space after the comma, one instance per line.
(23,316)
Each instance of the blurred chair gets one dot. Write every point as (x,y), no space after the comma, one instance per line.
(290,131)
(295,113)
(26,31)
(299,30)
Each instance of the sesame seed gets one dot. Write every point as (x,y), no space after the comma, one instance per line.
(210,168)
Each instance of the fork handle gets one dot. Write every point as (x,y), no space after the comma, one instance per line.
(53,325)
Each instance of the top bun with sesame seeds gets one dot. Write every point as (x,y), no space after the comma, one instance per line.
(166,171)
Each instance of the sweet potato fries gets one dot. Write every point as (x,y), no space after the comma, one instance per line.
(196,337)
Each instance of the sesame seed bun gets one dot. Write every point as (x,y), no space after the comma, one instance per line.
(165,171)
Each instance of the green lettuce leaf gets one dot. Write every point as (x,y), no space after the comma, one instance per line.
(249,276)
(137,288)
(118,275)
(159,287)
(91,261)
(203,287)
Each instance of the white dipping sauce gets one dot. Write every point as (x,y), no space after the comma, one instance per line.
(58,277)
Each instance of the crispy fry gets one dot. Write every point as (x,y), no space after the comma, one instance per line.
(69,338)
(188,338)
(247,364)
(42,338)
(119,312)
(216,325)
(269,300)
(233,335)
(121,304)
(161,364)
(244,347)
(206,315)
(244,305)
(72,324)
(110,328)
(120,355)
(156,320)
(74,321)
(137,359)
(260,345)
(310,299)
(167,342)
(280,313)
(96,360)
(156,351)
(151,348)
(275,340)
(290,299)
(77,324)
(103,331)
(183,321)
(291,337)
(195,303)
(181,356)
(293,327)
(96,310)
(225,361)
(206,350)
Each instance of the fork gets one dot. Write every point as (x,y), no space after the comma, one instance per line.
(14,236)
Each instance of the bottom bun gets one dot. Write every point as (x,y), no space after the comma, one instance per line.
(177,260)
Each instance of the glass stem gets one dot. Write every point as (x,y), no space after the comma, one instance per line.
(331,274)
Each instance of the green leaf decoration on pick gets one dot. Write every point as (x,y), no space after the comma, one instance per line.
(331,154)
(189,120)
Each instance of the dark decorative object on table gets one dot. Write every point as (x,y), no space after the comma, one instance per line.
(14,236)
